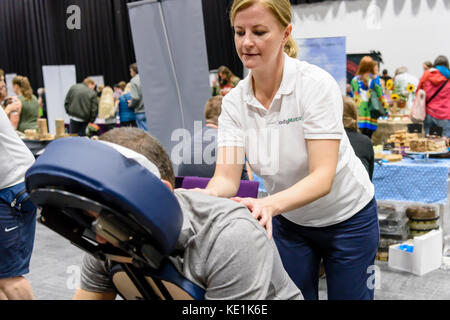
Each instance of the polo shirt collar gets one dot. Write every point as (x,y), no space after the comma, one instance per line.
(287,83)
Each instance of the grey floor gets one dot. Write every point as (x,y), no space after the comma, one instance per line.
(55,267)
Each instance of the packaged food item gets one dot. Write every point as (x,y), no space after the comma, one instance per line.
(418,145)
(421,212)
(423,224)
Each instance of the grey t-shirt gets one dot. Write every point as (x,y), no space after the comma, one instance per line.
(226,252)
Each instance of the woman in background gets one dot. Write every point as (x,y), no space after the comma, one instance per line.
(438,102)
(361,144)
(365,83)
(227,81)
(28,108)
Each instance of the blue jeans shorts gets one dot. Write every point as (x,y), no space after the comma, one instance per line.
(17,230)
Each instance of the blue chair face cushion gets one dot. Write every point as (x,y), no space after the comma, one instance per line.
(99,173)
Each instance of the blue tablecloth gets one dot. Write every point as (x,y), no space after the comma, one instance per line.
(412,180)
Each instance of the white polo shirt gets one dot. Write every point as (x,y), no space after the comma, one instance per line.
(308,105)
(15,157)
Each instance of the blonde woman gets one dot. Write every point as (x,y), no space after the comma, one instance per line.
(286,116)
(28,108)
(107,108)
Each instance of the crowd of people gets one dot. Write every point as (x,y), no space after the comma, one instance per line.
(84,103)
(321,204)
(402,90)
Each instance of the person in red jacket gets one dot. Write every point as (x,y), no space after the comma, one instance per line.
(437,102)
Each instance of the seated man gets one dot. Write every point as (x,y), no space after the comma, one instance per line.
(225,250)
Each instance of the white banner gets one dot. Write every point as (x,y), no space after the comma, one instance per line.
(57,82)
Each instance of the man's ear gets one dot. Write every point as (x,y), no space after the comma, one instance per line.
(168,184)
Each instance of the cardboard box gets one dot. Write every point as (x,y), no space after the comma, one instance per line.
(426,256)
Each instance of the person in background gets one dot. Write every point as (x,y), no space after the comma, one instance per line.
(384,78)
(225,82)
(107,108)
(361,144)
(81,104)
(28,109)
(42,103)
(198,166)
(427,65)
(137,101)
(404,85)
(366,82)
(126,115)
(321,202)
(118,90)
(435,82)
(17,213)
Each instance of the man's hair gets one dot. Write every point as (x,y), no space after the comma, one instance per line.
(89,81)
(2,74)
(141,142)
(385,72)
(441,61)
(350,114)
(134,67)
(213,108)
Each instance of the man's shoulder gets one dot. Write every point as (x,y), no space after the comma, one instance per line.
(208,210)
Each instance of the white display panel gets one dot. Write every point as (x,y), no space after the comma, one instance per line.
(57,82)
(8,79)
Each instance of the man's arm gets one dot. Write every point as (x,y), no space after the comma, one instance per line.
(94,107)
(240,263)
(95,283)
(135,95)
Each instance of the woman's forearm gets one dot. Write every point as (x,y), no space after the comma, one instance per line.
(311,188)
(222,187)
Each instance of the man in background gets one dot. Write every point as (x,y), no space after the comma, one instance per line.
(81,105)
(137,102)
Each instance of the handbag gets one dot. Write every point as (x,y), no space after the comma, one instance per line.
(418,108)
(376,109)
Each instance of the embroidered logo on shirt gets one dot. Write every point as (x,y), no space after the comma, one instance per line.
(290,120)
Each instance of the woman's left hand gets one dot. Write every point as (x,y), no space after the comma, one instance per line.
(260,210)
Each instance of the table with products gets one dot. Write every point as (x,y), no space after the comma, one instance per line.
(388,127)
(408,185)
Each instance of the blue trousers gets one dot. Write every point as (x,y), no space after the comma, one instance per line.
(430,121)
(141,121)
(348,250)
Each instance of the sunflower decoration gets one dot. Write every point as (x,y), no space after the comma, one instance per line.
(395,97)
(390,84)
(411,88)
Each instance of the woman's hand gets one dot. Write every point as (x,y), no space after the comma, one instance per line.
(260,210)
